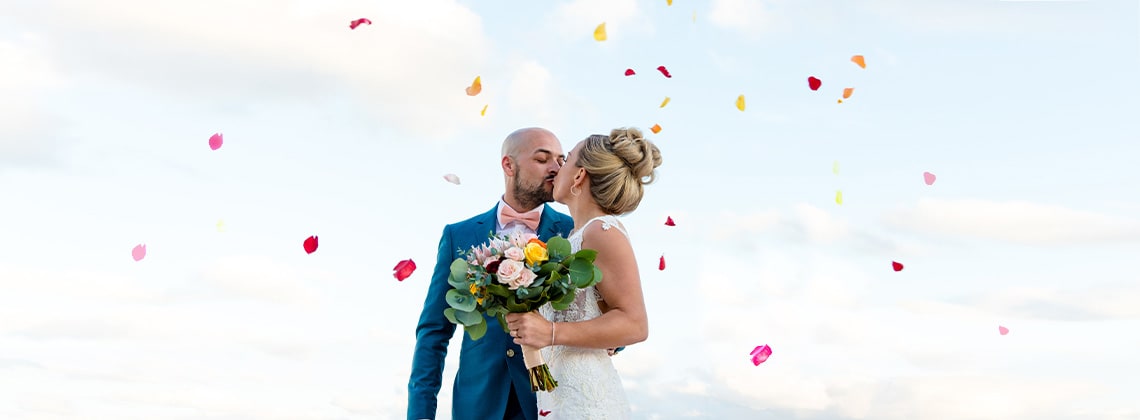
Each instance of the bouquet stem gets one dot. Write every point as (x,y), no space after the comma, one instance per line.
(540,377)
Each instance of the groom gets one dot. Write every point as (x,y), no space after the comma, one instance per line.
(492,382)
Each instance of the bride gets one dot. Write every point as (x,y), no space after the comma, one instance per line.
(603,177)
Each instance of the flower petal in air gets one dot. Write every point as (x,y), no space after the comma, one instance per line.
(630,72)
(929,178)
(814,83)
(897,266)
(404,269)
(475,88)
(452,178)
(839,197)
(661,265)
(358,22)
(600,32)
(740,103)
(215,141)
(664,71)
(847,92)
(139,252)
(655,128)
(544,413)
(669,221)
(760,354)
(665,102)
(1003,330)
(310,244)
(858,59)
(483,113)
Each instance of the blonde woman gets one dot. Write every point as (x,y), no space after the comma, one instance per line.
(604,177)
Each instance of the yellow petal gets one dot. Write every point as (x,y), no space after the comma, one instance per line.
(656,128)
(858,59)
(600,32)
(483,113)
(839,197)
(475,87)
(221,226)
(838,101)
(669,2)
(665,102)
(847,92)
(740,102)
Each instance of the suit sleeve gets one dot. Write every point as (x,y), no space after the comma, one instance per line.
(433,333)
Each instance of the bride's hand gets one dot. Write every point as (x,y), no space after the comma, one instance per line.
(530,329)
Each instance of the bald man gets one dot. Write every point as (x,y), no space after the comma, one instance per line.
(492,382)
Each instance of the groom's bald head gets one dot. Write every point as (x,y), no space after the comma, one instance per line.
(517,141)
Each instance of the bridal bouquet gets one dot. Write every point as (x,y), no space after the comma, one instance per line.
(517,274)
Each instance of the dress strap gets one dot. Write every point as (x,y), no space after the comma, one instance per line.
(608,221)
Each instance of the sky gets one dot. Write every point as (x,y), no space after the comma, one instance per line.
(1025,111)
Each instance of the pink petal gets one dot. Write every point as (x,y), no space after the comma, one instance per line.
(139,252)
(452,178)
(1003,330)
(359,22)
(215,141)
(929,178)
(760,354)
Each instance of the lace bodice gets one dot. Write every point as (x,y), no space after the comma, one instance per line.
(588,385)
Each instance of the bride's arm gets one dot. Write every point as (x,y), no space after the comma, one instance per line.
(623,323)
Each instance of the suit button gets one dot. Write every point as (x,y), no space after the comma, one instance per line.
(510,352)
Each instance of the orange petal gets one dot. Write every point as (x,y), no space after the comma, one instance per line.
(858,59)
(656,128)
(475,87)
(847,92)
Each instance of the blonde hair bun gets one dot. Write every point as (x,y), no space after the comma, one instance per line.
(619,165)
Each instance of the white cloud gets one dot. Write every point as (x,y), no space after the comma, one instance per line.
(744,16)
(1102,302)
(27,130)
(1013,221)
(409,67)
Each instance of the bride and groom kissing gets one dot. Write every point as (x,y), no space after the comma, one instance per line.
(601,178)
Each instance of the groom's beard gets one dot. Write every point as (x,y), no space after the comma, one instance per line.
(532,196)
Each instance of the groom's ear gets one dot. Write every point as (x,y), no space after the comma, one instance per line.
(508,166)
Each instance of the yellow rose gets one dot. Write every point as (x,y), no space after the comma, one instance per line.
(536,253)
(475,291)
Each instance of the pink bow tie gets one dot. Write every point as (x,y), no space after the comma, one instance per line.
(530,219)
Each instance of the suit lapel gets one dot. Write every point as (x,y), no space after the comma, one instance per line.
(550,225)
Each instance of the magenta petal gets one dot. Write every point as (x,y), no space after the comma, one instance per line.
(760,354)
(215,141)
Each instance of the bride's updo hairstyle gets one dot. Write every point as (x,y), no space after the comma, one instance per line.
(619,165)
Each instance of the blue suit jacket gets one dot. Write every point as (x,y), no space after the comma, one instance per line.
(488,366)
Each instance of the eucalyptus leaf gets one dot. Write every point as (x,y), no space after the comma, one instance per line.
(558,247)
(581,273)
(476,331)
(564,302)
(458,277)
(498,290)
(468,318)
(586,254)
(597,275)
(460,300)
(450,314)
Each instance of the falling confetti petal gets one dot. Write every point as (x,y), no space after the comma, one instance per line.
(311,244)
(545,413)
(896,265)
(358,22)
(858,59)
(452,178)
(404,269)
(139,252)
(655,128)
(215,141)
(814,83)
(847,92)
(835,167)
(838,101)
(600,32)
(668,2)
(839,197)
(665,102)
(475,88)
(929,178)
(630,72)
(760,354)
(669,221)
(221,226)
(664,71)
(1003,330)
(661,265)
(483,113)
(740,103)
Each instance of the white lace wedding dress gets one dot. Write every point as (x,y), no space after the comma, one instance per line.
(588,385)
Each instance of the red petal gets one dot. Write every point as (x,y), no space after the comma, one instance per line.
(664,71)
(661,265)
(404,269)
(669,221)
(896,265)
(544,413)
(629,72)
(358,22)
(814,83)
(760,354)
(311,244)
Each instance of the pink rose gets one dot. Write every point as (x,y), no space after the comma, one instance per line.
(525,279)
(515,253)
(509,272)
